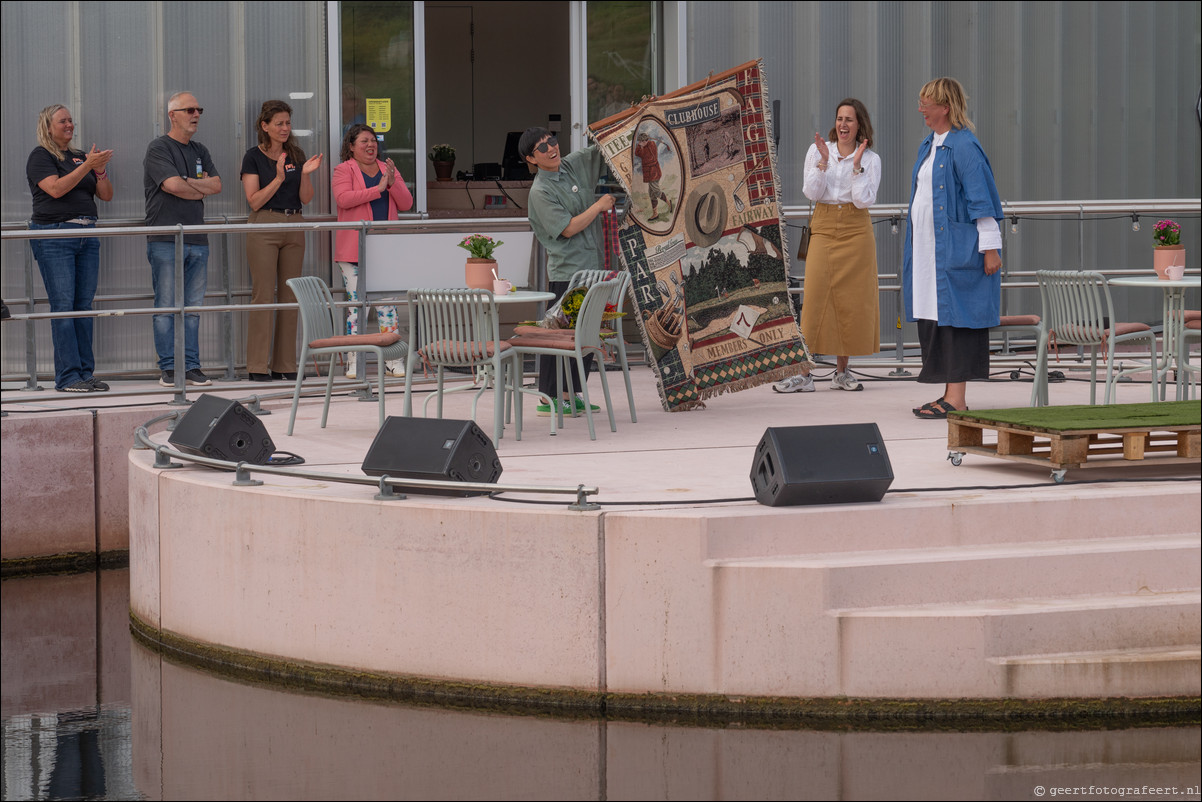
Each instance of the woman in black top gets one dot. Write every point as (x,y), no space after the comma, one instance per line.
(277,180)
(65,184)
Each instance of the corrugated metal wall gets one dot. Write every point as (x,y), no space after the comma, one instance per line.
(1071,100)
(114,64)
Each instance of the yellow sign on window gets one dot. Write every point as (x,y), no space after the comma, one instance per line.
(379,113)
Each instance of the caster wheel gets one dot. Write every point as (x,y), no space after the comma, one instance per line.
(1058,476)
(955,458)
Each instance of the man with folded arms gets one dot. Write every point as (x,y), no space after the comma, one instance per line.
(178,174)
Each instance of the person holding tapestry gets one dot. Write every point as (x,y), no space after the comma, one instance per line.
(65,184)
(365,188)
(565,214)
(277,180)
(951,273)
(840,311)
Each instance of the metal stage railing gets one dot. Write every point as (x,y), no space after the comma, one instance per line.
(1082,212)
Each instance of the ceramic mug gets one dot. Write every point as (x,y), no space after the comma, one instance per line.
(501,287)
(1175,272)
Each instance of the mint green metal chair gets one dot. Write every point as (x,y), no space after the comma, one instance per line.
(321,322)
(460,329)
(1033,326)
(568,344)
(617,297)
(1078,310)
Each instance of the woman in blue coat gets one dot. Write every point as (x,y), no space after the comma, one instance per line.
(951,272)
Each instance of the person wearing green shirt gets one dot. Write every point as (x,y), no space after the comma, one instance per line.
(565,214)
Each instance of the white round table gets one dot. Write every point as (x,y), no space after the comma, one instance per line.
(524,296)
(1174,318)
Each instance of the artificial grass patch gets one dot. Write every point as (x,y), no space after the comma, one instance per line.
(1163,414)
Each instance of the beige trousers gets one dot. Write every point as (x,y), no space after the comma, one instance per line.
(273,258)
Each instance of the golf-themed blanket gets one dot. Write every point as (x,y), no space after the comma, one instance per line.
(703,238)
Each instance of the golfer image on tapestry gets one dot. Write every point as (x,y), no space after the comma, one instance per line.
(647,148)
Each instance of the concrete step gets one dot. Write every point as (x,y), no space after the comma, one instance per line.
(1156,563)
(951,649)
(1115,672)
(910,521)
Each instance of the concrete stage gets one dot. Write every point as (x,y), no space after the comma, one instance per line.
(986,581)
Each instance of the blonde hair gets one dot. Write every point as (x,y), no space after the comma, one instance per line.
(948,92)
(43,130)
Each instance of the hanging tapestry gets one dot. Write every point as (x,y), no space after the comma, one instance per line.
(703,238)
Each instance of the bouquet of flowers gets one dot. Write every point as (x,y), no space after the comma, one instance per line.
(563,315)
(1166,232)
(480,246)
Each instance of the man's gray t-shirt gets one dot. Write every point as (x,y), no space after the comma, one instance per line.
(165,158)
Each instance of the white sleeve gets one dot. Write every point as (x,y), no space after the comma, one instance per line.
(865,185)
(815,180)
(989,236)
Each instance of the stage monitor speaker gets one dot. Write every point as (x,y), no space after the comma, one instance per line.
(433,448)
(836,464)
(221,428)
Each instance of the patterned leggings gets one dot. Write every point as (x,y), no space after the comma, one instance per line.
(385,315)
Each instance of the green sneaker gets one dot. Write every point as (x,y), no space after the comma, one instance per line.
(544,410)
(580,405)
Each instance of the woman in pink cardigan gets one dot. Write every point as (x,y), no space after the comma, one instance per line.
(365,189)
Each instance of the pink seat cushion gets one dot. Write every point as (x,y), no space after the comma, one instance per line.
(1193,314)
(1194,324)
(1019,320)
(547,339)
(1128,328)
(461,351)
(383,339)
(539,330)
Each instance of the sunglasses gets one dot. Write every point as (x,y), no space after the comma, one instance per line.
(191,110)
(543,147)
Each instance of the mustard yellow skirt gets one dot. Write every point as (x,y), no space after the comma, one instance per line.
(840,309)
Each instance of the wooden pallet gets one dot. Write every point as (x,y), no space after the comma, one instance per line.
(1078,448)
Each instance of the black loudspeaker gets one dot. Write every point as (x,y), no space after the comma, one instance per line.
(835,464)
(433,448)
(221,428)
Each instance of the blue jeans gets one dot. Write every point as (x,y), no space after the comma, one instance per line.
(70,270)
(196,279)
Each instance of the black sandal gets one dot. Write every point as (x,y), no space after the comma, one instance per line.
(936,410)
(928,405)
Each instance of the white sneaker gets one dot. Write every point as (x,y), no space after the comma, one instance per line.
(395,369)
(845,381)
(795,384)
(350,371)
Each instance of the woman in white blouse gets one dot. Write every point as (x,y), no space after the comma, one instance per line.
(839,314)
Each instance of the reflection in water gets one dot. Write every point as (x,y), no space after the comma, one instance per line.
(87,713)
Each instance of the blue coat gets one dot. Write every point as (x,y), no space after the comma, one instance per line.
(963,191)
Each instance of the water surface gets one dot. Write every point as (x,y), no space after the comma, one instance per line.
(88,714)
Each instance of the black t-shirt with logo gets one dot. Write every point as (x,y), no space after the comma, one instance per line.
(80,201)
(287,196)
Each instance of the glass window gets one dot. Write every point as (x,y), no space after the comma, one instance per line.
(623,55)
(377,77)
